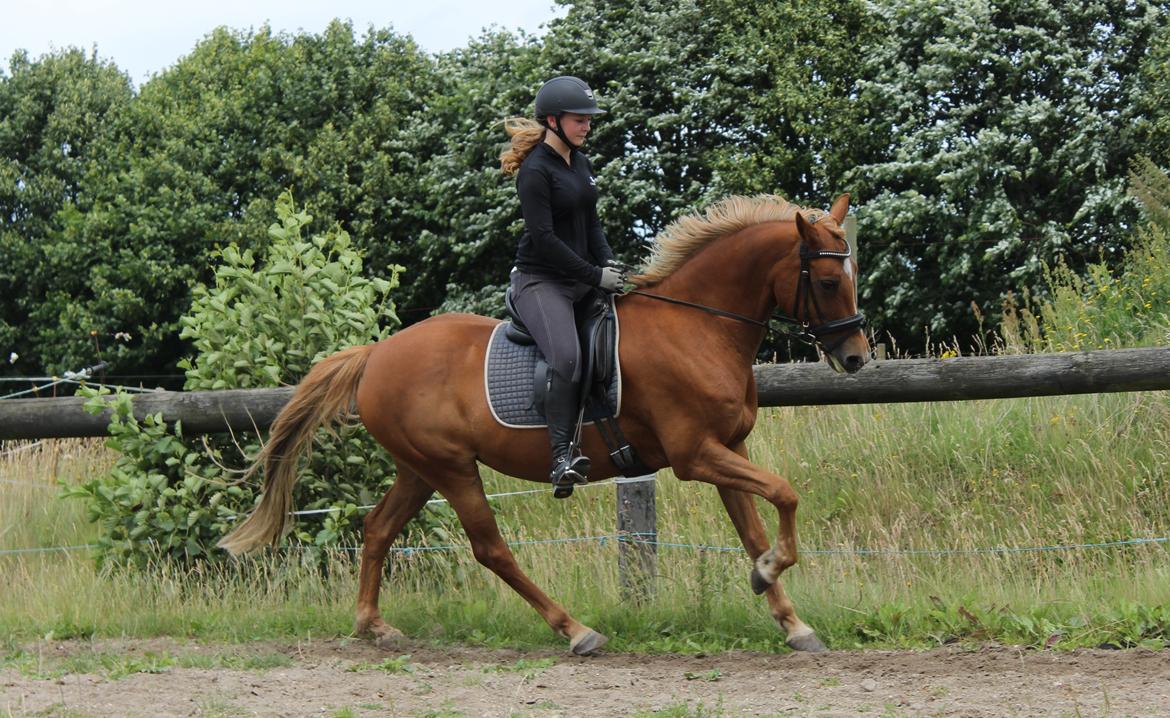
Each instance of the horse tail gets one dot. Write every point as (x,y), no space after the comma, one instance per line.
(322,398)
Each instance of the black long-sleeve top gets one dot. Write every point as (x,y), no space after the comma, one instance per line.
(562,236)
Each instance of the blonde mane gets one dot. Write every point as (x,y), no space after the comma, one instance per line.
(687,235)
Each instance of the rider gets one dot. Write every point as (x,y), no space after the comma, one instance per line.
(563,253)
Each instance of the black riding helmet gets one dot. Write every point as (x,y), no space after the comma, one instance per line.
(565,94)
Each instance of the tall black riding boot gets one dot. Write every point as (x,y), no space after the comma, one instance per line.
(561,409)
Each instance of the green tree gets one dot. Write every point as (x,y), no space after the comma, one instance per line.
(55,114)
(189,168)
(1153,105)
(1007,132)
(790,120)
(1109,305)
(468,210)
(981,142)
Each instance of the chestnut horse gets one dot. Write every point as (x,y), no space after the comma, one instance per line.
(420,393)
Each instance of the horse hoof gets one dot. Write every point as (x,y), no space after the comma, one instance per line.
(588,644)
(759,585)
(809,643)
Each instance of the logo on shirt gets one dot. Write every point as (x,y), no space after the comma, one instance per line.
(592,181)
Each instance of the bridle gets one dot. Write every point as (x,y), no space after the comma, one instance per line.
(811,334)
(805,297)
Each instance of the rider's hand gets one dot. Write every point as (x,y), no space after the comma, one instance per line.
(612,279)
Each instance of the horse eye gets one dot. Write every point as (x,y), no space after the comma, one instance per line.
(829,284)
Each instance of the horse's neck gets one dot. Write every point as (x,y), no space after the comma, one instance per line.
(732,274)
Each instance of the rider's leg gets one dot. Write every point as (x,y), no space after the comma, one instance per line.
(547,308)
(561,409)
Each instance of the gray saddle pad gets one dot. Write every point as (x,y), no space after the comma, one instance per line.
(509,375)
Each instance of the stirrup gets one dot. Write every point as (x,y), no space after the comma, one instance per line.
(567,473)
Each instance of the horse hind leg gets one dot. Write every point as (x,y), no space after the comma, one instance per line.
(750,528)
(383,524)
(471,505)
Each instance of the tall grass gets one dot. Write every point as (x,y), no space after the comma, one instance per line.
(30,517)
(954,482)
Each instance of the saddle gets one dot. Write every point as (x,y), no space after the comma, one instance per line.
(517,377)
(597,336)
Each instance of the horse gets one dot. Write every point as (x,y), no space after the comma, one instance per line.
(696,319)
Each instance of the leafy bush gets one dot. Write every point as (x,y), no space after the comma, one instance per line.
(1103,309)
(267,326)
(258,326)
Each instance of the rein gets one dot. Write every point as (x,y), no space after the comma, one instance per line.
(808,334)
(704,307)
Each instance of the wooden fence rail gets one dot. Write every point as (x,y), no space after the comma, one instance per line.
(967,378)
(898,380)
(202,412)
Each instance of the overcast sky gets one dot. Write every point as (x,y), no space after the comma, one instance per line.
(143,37)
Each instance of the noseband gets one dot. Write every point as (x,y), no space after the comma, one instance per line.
(805,298)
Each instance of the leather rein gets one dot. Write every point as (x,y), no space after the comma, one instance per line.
(805,297)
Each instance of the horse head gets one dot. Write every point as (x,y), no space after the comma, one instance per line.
(823,296)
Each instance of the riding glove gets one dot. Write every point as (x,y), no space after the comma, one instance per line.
(612,280)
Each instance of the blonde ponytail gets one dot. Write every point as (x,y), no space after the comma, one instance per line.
(526,134)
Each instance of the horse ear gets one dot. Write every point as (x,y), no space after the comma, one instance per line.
(840,208)
(804,229)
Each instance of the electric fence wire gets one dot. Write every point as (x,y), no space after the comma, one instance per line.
(19,449)
(25,379)
(650,539)
(34,390)
(114,387)
(71,377)
(46,549)
(27,484)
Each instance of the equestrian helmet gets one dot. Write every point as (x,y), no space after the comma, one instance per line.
(565,94)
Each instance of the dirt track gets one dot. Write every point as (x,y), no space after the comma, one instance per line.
(321,680)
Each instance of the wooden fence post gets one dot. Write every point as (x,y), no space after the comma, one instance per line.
(637,527)
(851,234)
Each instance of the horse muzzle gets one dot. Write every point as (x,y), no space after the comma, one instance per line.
(843,354)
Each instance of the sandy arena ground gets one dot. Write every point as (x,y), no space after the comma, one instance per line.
(336,678)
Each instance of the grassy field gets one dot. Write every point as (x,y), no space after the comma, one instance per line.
(904,509)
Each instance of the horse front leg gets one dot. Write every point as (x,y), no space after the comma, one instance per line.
(746,519)
(730,470)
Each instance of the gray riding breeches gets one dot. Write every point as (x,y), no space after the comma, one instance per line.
(548,308)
